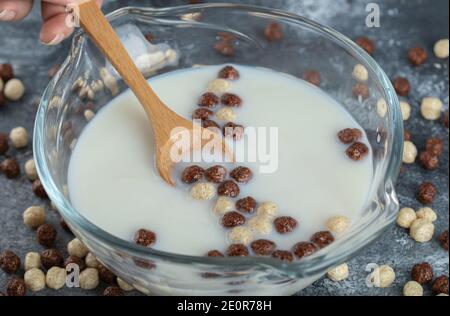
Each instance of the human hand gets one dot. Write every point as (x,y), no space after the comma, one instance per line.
(54,28)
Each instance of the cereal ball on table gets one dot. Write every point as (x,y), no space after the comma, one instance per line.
(409,152)
(19,137)
(89,279)
(34,216)
(383,276)
(427,213)
(9,261)
(406,217)
(405,109)
(32,260)
(14,89)
(34,279)
(91,261)
(421,230)
(413,288)
(56,278)
(338,273)
(30,170)
(431,108)
(441,49)
(76,248)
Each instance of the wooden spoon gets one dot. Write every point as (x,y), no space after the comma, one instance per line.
(163,119)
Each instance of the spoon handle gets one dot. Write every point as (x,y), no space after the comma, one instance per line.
(101,32)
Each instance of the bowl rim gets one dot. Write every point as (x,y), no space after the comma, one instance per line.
(335,253)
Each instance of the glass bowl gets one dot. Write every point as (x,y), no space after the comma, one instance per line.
(187,35)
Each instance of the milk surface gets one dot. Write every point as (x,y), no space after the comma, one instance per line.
(113,182)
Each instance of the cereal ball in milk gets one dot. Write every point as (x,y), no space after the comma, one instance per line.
(338,224)
(34,216)
(360,73)
(406,110)
(30,170)
(19,137)
(431,108)
(409,152)
(223,205)
(269,209)
(381,107)
(226,114)
(35,279)
(32,260)
(89,279)
(260,224)
(427,213)
(421,230)
(219,86)
(76,248)
(412,288)
(383,276)
(405,217)
(13,89)
(203,191)
(441,49)
(338,273)
(240,235)
(56,278)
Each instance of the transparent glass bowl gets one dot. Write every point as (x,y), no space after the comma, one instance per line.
(192,32)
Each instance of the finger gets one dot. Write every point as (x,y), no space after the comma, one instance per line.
(13,10)
(55,27)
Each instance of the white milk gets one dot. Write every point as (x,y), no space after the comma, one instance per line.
(113,182)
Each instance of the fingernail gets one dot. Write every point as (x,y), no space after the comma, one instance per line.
(7,15)
(56,40)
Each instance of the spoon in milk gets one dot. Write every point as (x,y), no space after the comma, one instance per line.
(167,124)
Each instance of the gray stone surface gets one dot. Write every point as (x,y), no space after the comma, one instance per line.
(404,24)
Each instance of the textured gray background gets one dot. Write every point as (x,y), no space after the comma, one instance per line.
(404,24)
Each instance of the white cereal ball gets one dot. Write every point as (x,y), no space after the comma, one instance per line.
(19,137)
(381,107)
(34,279)
(1,85)
(76,248)
(30,170)
(406,217)
(413,288)
(338,273)
(406,110)
(56,278)
(34,216)
(269,209)
(441,48)
(338,224)
(89,279)
(421,230)
(261,225)
(226,114)
(91,261)
(240,235)
(427,213)
(383,276)
(442,294)
(360,73)
(14,89)
(431,108)
(89,115)
(203,191)
(223,205)
(219,86)
(409,152)
(124,285)
(32,260)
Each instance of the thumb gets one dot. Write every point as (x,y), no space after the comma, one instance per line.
(13,10)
